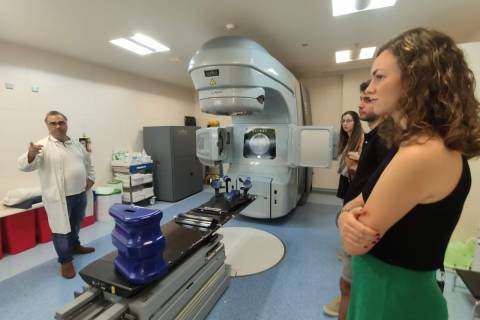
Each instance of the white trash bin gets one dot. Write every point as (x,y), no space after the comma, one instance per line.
(106,197)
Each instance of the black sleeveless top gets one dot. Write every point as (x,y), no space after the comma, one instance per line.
(419,240)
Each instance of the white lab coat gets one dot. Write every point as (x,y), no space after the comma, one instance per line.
(51,172)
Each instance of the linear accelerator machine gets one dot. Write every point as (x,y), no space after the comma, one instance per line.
(178,270)
(267,141)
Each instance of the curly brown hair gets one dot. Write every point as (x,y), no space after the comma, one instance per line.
(438,96)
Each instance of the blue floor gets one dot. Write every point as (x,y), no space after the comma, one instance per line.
(296,288)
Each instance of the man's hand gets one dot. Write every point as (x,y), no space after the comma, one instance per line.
(33,150)
(355,232)
(89,184)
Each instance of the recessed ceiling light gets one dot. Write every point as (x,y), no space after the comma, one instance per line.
(149,42)
(343,56)
(131,46)
(342,7)
(366,53)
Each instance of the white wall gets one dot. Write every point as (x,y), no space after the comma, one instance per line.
(326,101)
(110,107)
(351,88)
(470,219)
(474,36)
(330,96)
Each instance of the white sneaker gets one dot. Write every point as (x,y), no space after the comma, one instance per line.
(332,308)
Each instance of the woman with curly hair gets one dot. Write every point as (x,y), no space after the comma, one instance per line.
(399,227)
(349,148)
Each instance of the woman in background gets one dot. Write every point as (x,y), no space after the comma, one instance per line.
(399,227)
(349,145)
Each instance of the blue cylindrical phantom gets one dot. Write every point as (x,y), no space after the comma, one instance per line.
(140,243)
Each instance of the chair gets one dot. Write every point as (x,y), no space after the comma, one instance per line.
(472,282)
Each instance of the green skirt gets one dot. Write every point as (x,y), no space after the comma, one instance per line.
(381,291)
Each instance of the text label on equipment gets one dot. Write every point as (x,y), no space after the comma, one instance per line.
(212,73)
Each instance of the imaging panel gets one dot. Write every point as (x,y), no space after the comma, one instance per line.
(259,143)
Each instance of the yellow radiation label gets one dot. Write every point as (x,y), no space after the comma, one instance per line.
(213,83)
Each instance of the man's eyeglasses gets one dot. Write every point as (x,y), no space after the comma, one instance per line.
(365,99)
(58,123)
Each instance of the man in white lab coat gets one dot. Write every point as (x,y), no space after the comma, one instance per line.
(66,172)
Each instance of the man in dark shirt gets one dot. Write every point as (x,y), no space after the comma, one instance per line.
(372,154)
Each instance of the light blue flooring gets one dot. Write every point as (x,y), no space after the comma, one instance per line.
(296,288)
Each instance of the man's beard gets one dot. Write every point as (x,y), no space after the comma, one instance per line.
(369,118)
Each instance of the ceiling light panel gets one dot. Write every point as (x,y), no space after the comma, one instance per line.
(149,42)
(131,46)
(343,56)
(366,53)
(342,7)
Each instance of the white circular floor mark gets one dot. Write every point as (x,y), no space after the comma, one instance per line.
(250,251)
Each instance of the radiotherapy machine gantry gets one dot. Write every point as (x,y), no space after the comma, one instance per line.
(268,140)
(178,270)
